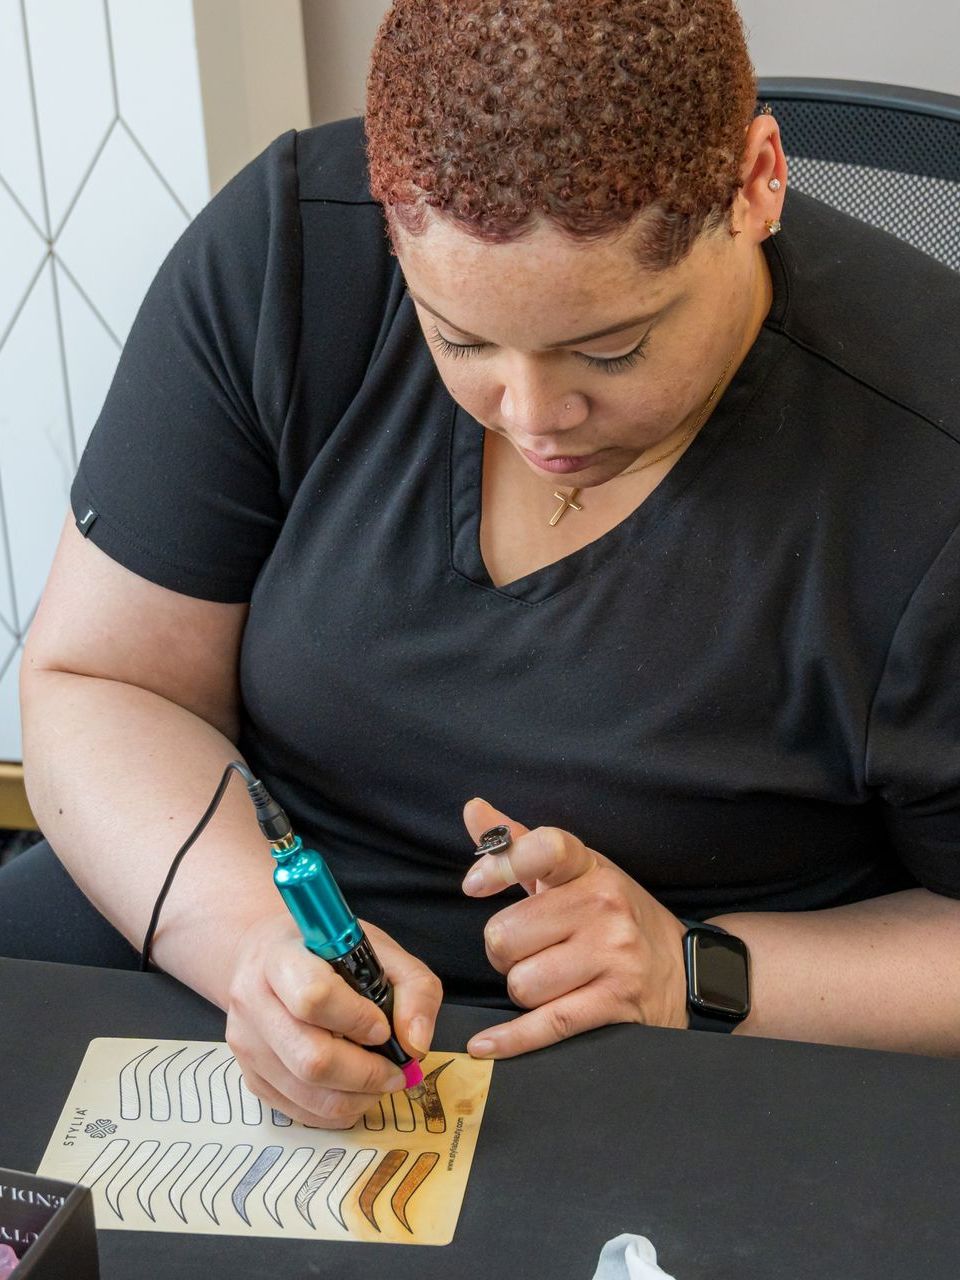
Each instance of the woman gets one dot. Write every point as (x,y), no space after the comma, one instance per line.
(596,498)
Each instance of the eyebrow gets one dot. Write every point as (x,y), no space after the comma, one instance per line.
(566,342)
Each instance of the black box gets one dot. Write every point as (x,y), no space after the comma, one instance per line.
(50,1226)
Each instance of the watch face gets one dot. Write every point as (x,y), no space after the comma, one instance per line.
(719,974)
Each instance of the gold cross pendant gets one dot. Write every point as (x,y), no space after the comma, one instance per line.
(567,502)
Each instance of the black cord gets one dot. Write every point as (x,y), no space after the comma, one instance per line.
(235,766)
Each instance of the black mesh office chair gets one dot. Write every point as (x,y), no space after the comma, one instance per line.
(888,155)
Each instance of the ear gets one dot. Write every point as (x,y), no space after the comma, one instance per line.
(756,203)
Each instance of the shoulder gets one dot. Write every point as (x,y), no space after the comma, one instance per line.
(325,164)
(332,163)
(878,310)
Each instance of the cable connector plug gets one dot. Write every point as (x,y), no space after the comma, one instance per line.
(274,823)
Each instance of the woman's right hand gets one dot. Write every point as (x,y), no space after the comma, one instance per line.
(297,1029)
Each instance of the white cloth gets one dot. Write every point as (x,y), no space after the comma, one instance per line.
(629,1258)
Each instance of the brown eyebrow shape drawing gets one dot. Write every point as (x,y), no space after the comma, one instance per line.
(391,1163)
(423,1166)
(433,1112)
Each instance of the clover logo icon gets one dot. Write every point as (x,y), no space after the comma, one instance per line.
(100,1128)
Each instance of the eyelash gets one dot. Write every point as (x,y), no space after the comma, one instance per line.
(616,364)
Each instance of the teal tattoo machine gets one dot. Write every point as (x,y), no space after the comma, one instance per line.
(330,929)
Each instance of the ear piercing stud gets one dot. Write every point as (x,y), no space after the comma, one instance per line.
(774,184)
(773,225)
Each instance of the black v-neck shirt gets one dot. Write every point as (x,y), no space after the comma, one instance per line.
(747,694)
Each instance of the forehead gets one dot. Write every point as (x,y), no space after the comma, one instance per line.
(544,284)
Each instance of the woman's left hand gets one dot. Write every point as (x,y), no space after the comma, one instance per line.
(586,948)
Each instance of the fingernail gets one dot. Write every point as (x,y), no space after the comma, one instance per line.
(481,1048)
(473,881)
(420,1035)
(396,1083)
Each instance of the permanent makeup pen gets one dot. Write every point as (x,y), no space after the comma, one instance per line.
(330,929)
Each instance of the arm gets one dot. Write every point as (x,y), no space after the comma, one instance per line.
(130,709)
(881,974)
(590,946)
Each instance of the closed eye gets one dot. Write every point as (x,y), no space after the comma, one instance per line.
(609,364)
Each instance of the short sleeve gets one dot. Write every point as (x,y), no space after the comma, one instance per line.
(913,742)
(179,481)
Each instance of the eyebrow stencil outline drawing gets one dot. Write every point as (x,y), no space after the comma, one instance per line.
(105,1160)
(317,1178)
(130,1101)
(171,1160)
(228,1167)
(135,1163)
(221,1108)
(197,1166)
(251,1108)
(373,1119)
(434,1115)
(414,1178)
(404,1119)
(389,1166)
(191,1108)
(359,1164)
(264,1162)
(158,1087)
(297,1161)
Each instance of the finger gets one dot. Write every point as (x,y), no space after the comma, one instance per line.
(572,1014)
(299,1099)
(552,974)
(479,817)
(314,993)
(533,924)
(546,855)
(417,993)
(323,1109)
(316,1058)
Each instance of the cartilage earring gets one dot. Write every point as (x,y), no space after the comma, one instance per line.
(773,225)
(774,184)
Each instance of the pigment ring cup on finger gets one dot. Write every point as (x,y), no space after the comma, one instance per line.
(495,840)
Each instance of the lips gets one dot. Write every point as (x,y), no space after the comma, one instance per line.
(560,464)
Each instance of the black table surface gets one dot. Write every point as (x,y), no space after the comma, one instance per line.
(739,1158)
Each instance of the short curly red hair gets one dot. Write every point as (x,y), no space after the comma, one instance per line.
(496,114)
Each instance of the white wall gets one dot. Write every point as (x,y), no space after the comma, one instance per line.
(885,40)
(339,35)
(102,164)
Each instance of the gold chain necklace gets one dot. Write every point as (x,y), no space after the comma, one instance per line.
(568,501)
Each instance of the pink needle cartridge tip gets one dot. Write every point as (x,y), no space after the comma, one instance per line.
(413,1076)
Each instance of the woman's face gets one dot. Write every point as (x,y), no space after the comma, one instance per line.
(572,352)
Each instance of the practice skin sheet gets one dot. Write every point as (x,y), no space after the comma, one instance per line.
(169,1138)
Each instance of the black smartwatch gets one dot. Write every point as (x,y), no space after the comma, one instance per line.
(718,977)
